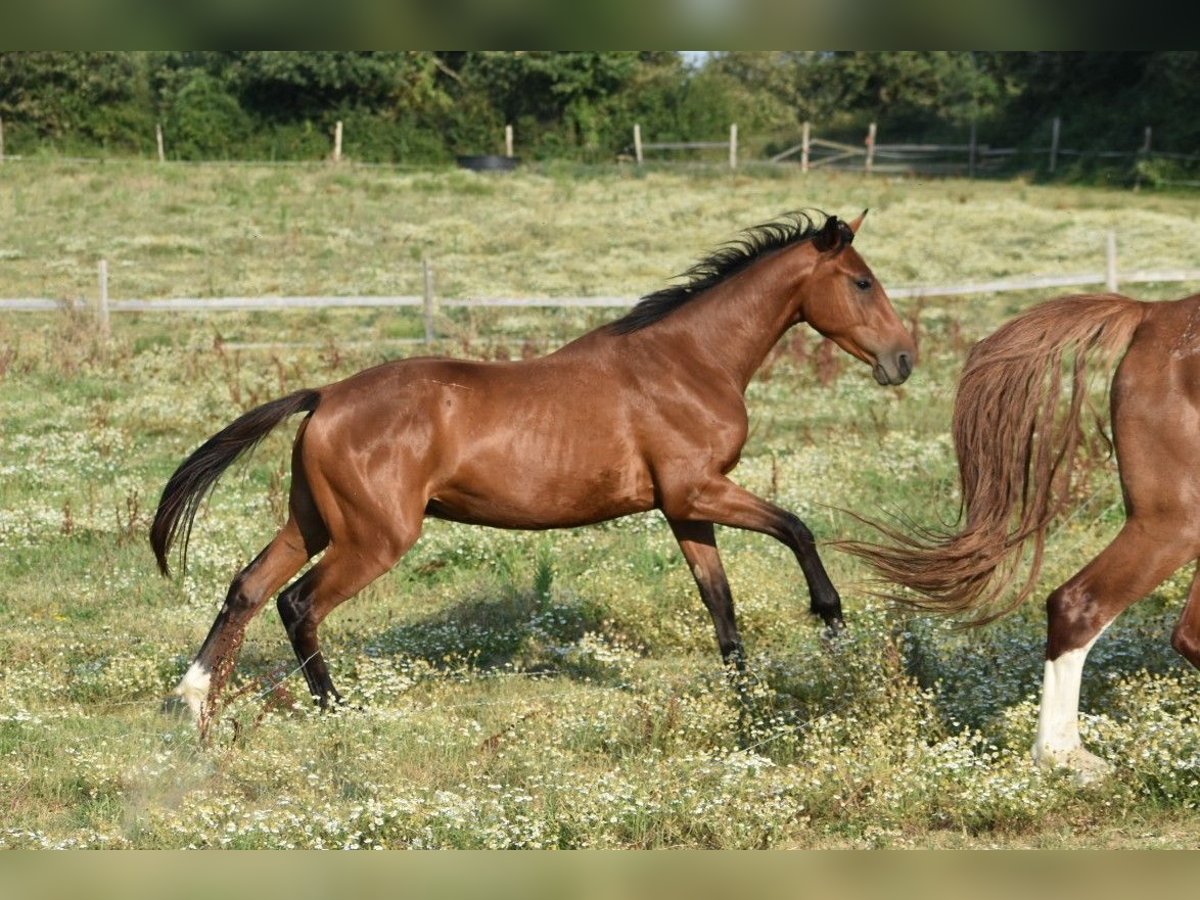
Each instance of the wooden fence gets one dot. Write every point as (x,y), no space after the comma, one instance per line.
(871,156)
(639,147)
(967,159)
(104,306)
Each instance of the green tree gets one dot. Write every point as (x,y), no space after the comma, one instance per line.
(906,90)
(1105,98)
(204,121)
(557,100)
(97,98)
(395,104)
(425,106)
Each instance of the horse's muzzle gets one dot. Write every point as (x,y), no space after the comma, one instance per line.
(893,368)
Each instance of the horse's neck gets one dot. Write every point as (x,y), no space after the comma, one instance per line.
(734,325)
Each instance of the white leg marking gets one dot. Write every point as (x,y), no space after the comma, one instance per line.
(194,688)
(1057,742)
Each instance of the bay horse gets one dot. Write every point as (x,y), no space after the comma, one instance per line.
(1015,446)
(644,412)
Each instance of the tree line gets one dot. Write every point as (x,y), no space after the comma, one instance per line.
(427,107)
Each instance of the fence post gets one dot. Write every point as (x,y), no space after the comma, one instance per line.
(337,142)
(1,138)
(733,146)
(804,148)
(1110,262)
(102,301)
(1146,142)
(429,306)
(971,153)
(637,143)
(1054,128)
(508,140)
(158,138)
(870,161)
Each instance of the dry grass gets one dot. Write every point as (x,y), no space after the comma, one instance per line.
(209,230)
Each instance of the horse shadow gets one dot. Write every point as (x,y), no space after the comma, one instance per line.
(512,630)
(977,675)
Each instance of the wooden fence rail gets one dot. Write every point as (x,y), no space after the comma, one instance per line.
(926,158)
(1110,277)
(639,146)
(270,303)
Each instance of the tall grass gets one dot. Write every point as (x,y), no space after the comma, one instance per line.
(523,690)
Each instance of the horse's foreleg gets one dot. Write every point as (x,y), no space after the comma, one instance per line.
(201,686)
(725,503)
(699,546)
(1077,613)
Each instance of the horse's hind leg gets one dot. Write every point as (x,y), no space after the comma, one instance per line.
(281,559)
(1136,562)
(347,568)
(1186,637)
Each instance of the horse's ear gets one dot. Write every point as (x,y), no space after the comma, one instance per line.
(857,222)
(830,236)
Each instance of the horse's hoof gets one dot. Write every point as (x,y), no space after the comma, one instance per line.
(834,627)
(335,705)
(176,707)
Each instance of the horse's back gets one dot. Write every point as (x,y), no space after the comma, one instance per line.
(530,444)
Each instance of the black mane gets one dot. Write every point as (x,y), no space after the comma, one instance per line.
(726,260)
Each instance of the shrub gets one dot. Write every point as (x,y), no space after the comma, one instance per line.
(204,120)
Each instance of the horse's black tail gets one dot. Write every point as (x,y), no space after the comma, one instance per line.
(199,473)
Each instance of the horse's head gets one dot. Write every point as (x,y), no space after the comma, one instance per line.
(846,303)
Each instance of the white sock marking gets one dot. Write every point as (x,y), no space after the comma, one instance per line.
(1058,717)
(194,688)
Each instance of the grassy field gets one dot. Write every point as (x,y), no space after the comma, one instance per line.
(515,689)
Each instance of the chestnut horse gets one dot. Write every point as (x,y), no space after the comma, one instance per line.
(645,412)
(1015,449)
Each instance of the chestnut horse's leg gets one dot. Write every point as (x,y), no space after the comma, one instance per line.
(1138,560)
(347,568)
(1186,637)
(202,684)
(699,546)
(722,502)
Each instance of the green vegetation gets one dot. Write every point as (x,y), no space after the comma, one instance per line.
(511,689)
(422,107)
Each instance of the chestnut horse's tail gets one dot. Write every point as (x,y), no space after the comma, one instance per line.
(1015,448)
(199,472)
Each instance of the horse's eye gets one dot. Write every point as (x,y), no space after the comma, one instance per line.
(863,284)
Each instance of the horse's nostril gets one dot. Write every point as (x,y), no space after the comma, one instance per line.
(904,363)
